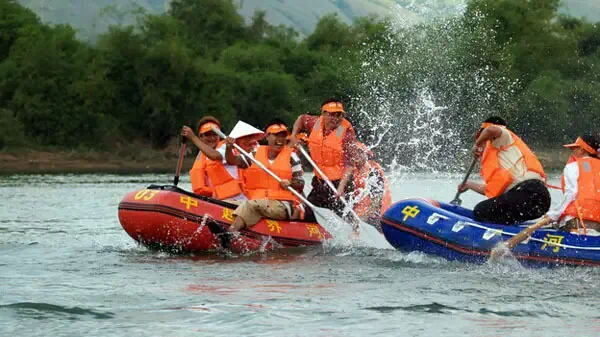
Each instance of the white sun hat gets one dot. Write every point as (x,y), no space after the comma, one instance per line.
(242,129)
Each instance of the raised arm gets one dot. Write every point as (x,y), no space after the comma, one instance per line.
(300,125)
(489,134)
(211,153)
(232,158)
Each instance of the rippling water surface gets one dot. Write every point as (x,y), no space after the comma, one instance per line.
(68,269)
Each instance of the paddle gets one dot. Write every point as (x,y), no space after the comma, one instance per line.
(456,201)
(180,161)
(324,216)
(520,237)
(327,181)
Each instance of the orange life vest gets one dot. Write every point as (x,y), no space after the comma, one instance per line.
(198,177)
(360,178)
(223,184)
(497,179)
(260,185)
(587,204)
(327,151)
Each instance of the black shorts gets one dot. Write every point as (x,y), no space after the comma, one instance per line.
(528,200)
(322,196)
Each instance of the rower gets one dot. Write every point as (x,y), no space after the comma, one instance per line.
(330,143)
(371,195)
(514,178)
(580,206)
(267,197)
(211,174)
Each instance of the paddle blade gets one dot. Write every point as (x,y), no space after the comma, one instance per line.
(500,251)
(343,232)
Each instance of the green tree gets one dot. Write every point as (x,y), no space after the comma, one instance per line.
(242,57)
(40,76)
(209,26)
(330,35)
(116,87)
(169,90)
(13,17)
(12,133)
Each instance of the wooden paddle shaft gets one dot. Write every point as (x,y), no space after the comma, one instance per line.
(264,168)
(458,193)
(524,234)
(179,161)
(323,176)
(326,179)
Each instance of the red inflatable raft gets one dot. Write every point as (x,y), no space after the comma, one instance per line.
(171,219)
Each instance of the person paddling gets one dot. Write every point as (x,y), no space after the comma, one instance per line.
(267,197)
(580,206)
(330,141)
(514,178)
(247,137)
(371,195)
(211,175)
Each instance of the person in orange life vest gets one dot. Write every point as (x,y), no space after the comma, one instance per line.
(211,176)
(207,145)
(330,142)
(580,206)
(247,137)
(267,197)
(514,178)
(371,195)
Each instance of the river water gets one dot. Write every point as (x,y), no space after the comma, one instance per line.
(68,269)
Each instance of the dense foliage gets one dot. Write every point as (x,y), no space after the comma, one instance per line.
(519,58)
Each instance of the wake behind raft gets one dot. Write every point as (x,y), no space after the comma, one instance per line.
(168,218)
(450,232)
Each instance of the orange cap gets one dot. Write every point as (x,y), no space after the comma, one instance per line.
(333,107)
(579,142)
(206,127)
(277,128)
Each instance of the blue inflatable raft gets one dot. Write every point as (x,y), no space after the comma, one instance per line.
(450,232)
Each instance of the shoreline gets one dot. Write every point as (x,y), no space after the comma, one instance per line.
(144,161)
(61,162)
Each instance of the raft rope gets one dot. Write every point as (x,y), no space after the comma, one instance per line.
(531,238)
(554,186)
(580,216)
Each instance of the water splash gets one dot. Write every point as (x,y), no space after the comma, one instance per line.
(422,90)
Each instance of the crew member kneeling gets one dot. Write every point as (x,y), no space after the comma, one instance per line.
(267,197)
(514,178)
(580,207)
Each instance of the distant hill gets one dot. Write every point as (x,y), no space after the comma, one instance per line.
(589,9)
(304,14)
(94,16)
